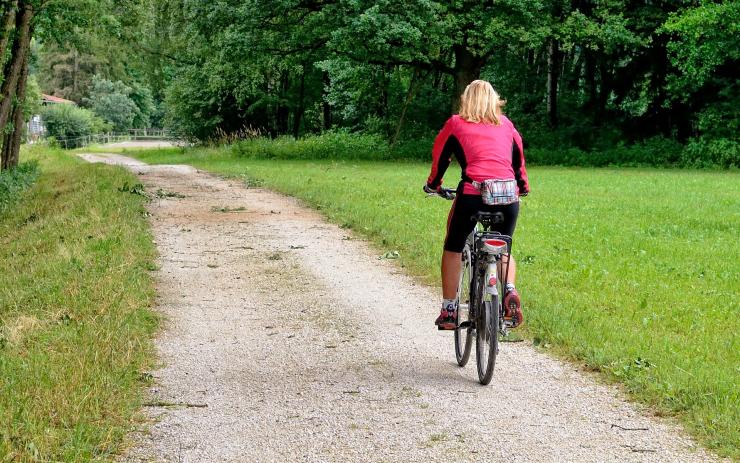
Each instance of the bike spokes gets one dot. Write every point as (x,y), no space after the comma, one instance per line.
(463,338)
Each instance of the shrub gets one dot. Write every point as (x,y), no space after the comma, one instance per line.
(329,145)
(14,181)
(656,151)
(704,152)
(69,123)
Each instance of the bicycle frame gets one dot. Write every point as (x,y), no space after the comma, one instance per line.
(488,265)
(485,258)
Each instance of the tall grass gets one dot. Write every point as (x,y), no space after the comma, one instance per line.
(14,181)
(632,272)
(75,325)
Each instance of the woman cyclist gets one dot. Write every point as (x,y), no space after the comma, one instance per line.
(487,146)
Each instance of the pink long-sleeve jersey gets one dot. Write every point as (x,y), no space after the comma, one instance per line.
(484,151)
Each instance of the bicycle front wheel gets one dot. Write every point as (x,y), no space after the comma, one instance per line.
(487,338)
(463,337)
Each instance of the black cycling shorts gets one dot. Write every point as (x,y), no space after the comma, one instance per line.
(460,225)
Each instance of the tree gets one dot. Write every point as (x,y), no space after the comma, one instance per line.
(30,16)
(67,72)
(704,49)
(14,86)
(112,102)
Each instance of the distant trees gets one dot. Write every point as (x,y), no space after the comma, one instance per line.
(21,21)
(575,72)
(79,39)
(65,71)
(122,106)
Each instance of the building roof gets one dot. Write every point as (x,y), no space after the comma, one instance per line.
(55,100)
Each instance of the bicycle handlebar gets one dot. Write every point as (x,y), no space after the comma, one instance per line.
(445,193)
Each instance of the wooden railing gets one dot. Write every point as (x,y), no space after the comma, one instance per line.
(132,135)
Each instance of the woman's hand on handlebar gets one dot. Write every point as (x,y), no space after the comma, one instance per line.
(445,193)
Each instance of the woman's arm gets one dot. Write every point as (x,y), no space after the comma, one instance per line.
(517,162)
(445,145)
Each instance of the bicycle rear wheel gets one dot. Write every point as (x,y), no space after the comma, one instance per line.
(463,335)
(487,337)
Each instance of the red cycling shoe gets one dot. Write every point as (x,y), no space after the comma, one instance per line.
(447,319)
(513,308)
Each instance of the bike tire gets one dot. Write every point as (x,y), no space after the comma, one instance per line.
(463,336)
(487,338)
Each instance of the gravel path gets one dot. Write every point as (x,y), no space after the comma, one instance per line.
(287,339)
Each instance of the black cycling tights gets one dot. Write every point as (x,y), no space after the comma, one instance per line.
(460,224)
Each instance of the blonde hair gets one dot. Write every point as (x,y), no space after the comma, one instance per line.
(480,103)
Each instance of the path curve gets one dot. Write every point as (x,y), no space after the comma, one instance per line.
(287,339)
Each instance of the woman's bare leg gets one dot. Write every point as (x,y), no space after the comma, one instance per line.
(511,278)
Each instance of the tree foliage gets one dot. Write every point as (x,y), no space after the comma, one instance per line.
(122,106)
(585,73)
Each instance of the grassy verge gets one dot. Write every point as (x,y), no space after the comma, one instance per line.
(13,182)
(75,325)
(633,272)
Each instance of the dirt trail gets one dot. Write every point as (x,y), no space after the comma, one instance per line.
(286,339)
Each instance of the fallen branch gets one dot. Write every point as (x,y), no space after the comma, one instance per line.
(628,429)
(174,404)
(639,450)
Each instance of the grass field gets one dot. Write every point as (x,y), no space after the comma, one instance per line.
(632,272)
(75,326)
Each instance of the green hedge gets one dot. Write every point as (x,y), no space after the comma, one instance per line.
(14,181)
(657,151)
(329,145)
(69,122)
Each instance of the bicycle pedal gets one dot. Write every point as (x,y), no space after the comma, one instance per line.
(443,328)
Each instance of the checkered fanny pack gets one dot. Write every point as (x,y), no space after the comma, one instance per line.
(495,191)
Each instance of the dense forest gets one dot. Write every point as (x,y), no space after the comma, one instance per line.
(585,74)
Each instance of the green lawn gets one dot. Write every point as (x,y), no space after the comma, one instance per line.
(75,323)
(633,272)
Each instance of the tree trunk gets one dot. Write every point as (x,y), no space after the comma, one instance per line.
(12,147)
(75,75)
(409,97)
(17,62)
(283,112)
(326,105)
(7,28)
(605,90)
(553,74)
(301,102)
(467,69)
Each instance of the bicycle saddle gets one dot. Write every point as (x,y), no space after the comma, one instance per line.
(488,217)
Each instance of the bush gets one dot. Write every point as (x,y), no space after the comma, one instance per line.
(418,149)
(14,181)
(653,152)
(656,151)
(329,145)
(704,152)
(68,123)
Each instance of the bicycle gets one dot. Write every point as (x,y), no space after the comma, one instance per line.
(480,294)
